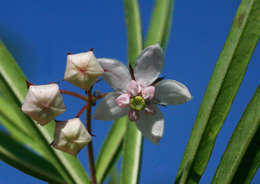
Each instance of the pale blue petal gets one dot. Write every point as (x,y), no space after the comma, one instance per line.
(149,65)
(151,125)
(171,92)
(107,109)
(115,73)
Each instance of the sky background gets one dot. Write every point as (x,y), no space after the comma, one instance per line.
(40,33)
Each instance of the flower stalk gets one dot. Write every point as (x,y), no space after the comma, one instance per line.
(81,111)
(66,92)
(91,159)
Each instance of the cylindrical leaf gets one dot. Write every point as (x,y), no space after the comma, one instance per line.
(223,86)
(241,159)
(160,25)
(111,149)
(18,156)
(133,139)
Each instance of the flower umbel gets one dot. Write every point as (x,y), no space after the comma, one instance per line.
(137,94)
(43,103)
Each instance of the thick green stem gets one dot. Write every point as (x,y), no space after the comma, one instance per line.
(132,149)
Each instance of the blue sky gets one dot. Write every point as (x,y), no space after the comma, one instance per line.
(40,33)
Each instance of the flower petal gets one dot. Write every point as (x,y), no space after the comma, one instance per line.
(115,73)
(171,92)
(151,126)
(107,109)
(149,65)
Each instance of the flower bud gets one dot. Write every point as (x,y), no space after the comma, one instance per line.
(82,69)
(43,103)
(71,136)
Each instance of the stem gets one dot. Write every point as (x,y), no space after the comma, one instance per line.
(100,96)
(81,111)
(91,160)
(74,94)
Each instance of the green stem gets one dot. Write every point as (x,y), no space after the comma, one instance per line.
(132,149)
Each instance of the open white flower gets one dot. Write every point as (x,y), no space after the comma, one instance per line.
(138,92)
(71,136)
(43,103)
(82,69)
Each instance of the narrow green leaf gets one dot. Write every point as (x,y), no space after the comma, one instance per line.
(15,118)
(222,88)
(68,166)
(254,164)
(248,176)
(17,133)
(12,74)
(168,25)
(133,139)
(132,152)
(160,24)
(6,92)
(134,30)
(114,161)
(241,159)
(114,177)
(111,149)
(18,156)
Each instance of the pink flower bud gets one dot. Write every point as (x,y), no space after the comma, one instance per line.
(71,136)
(43,103)
(82,69)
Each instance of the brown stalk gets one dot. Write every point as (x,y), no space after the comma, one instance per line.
(91,159)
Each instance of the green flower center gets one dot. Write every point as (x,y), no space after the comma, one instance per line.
(137,103)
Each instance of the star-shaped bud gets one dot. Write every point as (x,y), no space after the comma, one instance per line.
(82,69)
(43,103)
(71,136)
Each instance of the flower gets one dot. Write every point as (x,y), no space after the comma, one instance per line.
(138,92)
(82,69)
(71,136)
(43,103)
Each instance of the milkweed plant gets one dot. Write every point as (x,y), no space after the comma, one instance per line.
(138,91)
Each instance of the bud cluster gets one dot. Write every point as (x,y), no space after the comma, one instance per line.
(43,103)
